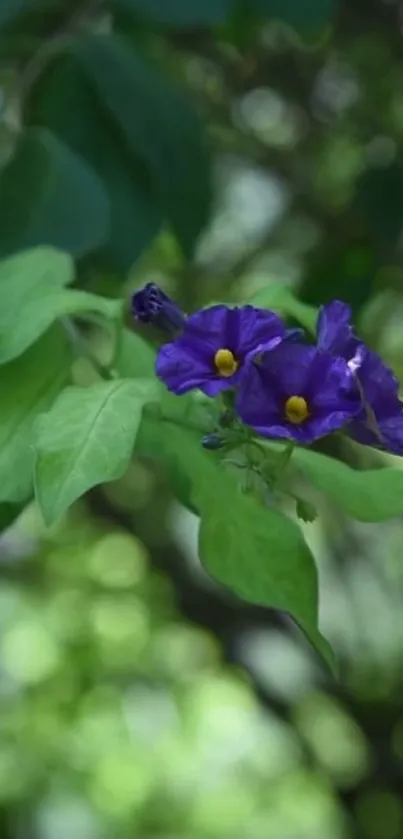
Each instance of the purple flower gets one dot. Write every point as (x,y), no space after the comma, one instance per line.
(298,393)
(380,420)
(151,305)
(214,346)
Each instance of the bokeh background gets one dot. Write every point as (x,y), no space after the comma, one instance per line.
(137,698)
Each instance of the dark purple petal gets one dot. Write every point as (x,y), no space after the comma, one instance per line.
(333,326)
(250,331)
(379,384)
(181,367)
(382,429)
(379,422)
(208,327)
(260,397)
(290,366)
(332,384)
(335,333)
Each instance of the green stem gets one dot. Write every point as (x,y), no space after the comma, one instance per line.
(281,462)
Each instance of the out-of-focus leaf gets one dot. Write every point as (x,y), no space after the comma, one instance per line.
(11,9)
(380,200)
(343,271)
(32,297)
(49,196)
(65,102)
(179,13)
(27,282)
(86,439)
(367,495)
(280,299)
(28,386)
(158,127)
(8,514)
(304,15)
(135,358)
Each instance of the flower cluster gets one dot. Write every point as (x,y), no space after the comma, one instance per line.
(284,387)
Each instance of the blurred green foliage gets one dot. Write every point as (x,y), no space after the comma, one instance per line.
(214,147)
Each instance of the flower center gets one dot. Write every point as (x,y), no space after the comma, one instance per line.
(296,409)
(225,363)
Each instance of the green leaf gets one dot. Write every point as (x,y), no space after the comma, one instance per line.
(65,101)
(48,195)
(179,13)
(32,297)
(161,131)
(27,280)
(280,299)
(368,495)
(86,439)
(303,15)
(28,387)
(256,552)
(260,554)
(135,358)
(151,443)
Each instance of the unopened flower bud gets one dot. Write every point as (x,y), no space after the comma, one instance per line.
(151,305)
(212,442)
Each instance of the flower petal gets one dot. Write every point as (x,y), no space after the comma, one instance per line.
(260,399)
(291,370)
(208,326)
(250,331)
(333,325)
(290,364)
(387,434)
(379,384)
(183,366)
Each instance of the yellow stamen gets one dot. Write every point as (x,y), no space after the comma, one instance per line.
(226,363)
(296,409)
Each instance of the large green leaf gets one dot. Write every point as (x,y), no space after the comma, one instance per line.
(28,387)
(367,495)
(179,13)
(32,297)
(48,195)
(26,281)
(304,15)
(260,554)
(65,102)
(157,126)
(257,552)
(86,439)
(279,298)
